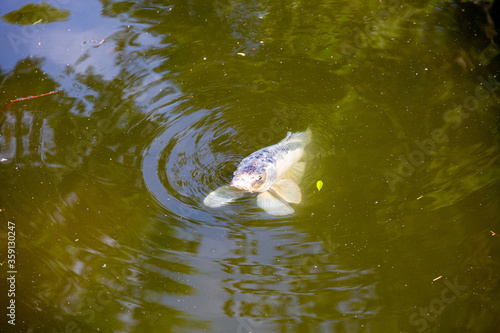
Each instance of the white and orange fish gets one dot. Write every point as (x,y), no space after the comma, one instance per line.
(272,171)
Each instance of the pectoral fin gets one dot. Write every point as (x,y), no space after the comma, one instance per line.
(273,205)
(296,172)
(222,196)
(287,190)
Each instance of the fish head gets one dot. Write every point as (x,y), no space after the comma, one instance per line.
(253,178)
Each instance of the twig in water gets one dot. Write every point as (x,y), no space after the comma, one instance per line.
(29,97)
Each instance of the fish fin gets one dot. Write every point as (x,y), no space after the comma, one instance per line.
(296,172)
(308,134)
(288,190)
(304,137)
(273,205)
(222,196)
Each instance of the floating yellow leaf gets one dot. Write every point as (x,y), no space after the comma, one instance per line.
(319,185)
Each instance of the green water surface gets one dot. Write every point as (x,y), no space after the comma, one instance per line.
(103,181)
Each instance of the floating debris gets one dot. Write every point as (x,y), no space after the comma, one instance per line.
(319,185)
(29,97)
(94,41)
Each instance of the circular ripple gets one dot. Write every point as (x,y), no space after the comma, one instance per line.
(189,159)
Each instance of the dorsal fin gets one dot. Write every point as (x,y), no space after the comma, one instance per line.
(302,137)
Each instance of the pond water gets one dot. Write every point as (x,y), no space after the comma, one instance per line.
(158,101)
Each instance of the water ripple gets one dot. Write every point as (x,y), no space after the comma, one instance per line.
(188,160)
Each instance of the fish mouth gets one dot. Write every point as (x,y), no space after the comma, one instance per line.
(242,187)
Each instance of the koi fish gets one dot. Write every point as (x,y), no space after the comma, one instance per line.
(273,172)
